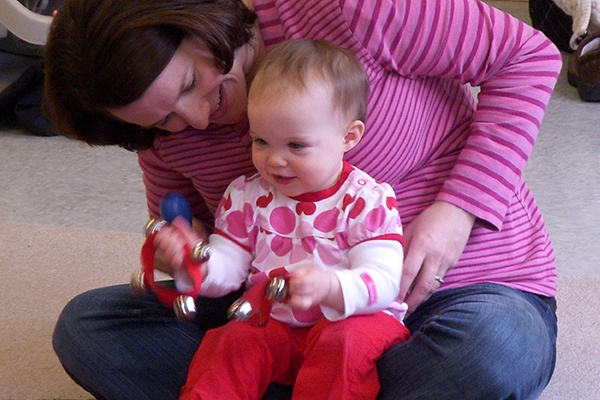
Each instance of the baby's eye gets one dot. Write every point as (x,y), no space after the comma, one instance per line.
(295,146)
(259,142)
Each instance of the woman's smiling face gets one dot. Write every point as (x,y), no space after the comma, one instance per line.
(191,93)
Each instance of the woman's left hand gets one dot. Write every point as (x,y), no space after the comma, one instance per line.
(434,242)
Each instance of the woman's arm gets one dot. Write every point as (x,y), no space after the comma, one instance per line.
(515,66)
(160,179)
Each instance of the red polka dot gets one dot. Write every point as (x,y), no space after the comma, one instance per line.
(375,218)
(283,220)
(281,245)
(235,223)
(359,205)
(327,220)
(309,244)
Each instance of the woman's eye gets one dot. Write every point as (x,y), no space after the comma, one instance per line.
(193,83)
(164,122)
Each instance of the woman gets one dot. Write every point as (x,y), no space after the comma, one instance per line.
(169,78)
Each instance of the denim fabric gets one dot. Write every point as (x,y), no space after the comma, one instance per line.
(483,341)
(120,346)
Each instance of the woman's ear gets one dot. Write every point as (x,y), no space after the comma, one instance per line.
(354,133)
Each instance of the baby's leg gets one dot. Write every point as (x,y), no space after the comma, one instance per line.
(340,357)
(239,361)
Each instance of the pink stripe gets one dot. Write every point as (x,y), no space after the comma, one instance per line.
(371,288)
(421,117)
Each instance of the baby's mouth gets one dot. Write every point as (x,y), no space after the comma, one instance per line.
(282,179)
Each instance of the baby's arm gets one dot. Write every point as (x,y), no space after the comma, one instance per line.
(370,284)
(225,270)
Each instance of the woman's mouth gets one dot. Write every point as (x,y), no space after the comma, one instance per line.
(220,107)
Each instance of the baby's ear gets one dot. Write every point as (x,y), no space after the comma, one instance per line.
(354,133)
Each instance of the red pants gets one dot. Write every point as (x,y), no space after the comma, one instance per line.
(331,360)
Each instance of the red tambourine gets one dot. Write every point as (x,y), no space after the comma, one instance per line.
(143,281)
(254,307)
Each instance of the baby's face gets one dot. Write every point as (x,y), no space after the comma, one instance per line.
(298,138)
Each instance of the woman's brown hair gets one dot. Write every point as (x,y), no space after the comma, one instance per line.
(104,54)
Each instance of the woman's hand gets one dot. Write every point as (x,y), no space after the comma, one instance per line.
(434,242)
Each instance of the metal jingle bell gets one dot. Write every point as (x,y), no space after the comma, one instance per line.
(240,310)
(154,225)
(200,252)
(277,290)
(185,308)
(136,283)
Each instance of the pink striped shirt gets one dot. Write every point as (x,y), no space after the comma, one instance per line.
(426,136)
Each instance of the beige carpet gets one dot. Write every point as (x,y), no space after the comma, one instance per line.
(44,266)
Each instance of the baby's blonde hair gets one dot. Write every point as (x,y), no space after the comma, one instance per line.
(298,61)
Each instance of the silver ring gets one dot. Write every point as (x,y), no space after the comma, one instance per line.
(440,279)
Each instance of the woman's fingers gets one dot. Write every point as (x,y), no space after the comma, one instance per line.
(434,241)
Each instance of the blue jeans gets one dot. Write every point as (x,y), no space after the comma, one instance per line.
(483,341)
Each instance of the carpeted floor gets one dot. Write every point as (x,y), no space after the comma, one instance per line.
(44,266)
(71,217)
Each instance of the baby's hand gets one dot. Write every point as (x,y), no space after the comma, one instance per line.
(309,287)
(170,242)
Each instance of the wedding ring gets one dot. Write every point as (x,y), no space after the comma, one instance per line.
(440,279)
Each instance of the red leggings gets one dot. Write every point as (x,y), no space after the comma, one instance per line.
(331,360)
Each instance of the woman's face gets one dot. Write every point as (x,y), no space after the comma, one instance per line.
(190,92)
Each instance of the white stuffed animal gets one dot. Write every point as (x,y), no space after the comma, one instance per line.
(586,17)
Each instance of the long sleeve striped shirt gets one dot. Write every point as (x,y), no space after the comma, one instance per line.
(426,134)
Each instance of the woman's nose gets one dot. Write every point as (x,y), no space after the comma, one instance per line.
(196,115)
